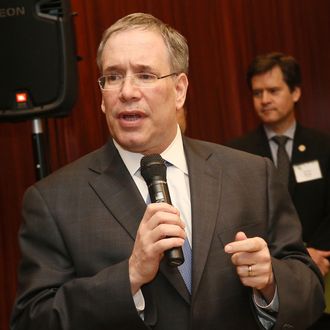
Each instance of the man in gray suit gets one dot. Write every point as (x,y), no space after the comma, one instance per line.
(93,250)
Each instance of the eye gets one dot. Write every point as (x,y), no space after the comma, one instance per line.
(274,90)
(146,77)
(256,93)
(114,77)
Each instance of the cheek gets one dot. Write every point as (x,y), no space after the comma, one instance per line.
(256,104)
(284,105)
(108,103)
(165,93)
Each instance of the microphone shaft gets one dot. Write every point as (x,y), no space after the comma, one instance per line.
(158,191)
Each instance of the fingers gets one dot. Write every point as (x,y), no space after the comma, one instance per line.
(159,213)
(244,244)
(252,260)
(325,267)
(248,251)
(240,236)
(252,270)
(162,221)
(160,229)
(320,257)
(325,254)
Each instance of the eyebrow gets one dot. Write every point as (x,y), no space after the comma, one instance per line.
(136,68)
(266,88)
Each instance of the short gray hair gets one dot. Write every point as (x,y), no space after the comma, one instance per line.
(175,42)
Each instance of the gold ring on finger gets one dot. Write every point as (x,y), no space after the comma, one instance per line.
(249,270)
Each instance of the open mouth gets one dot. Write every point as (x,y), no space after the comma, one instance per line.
(131,117)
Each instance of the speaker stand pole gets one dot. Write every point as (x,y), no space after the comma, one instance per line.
(38,140)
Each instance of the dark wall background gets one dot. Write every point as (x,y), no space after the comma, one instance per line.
(224,36)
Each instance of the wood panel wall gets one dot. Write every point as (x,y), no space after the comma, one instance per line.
(224,35)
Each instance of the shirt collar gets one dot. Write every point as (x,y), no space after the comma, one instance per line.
(174,154)
(289,132)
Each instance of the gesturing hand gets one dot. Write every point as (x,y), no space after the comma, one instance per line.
(160,229)
(253,263)
(320,257)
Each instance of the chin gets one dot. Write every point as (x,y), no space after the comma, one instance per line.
(131,144)
(269,119)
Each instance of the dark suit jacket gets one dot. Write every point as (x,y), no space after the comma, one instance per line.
(312,198)
(79,230)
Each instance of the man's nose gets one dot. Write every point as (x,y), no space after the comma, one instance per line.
(128,88)
(265,97)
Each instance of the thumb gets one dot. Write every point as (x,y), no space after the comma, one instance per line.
(324,254)
(240,236)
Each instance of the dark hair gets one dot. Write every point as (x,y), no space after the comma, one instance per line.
(288,65)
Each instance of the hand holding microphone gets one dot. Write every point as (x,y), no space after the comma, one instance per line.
(153,170)
(161,231)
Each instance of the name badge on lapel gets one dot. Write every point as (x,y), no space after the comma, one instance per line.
(307,171)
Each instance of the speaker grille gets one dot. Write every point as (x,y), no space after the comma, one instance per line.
(47,73)
(51,8)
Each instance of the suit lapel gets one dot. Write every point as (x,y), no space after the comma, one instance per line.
(205,187)
(300,150)
(173,275)
(117,190)
(298,156)
(262,144)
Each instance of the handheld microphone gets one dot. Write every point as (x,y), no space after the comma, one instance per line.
(153,171)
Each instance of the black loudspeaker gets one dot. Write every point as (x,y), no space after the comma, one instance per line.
(38,61)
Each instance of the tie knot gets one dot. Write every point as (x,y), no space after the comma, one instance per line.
(280,139)
(167,163)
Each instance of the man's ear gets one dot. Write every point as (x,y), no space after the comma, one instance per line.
(296,94)
(181,89)
(102,106)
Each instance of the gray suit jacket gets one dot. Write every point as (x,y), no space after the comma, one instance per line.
(79,229)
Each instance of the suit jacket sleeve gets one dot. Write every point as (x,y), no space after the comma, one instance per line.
(288,259)
(51,296)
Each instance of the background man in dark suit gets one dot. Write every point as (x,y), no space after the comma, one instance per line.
(93,251)
(275,81)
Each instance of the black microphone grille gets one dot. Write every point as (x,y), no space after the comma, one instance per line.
(153,166)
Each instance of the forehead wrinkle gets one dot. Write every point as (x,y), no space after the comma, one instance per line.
(133,67)
(130,50)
